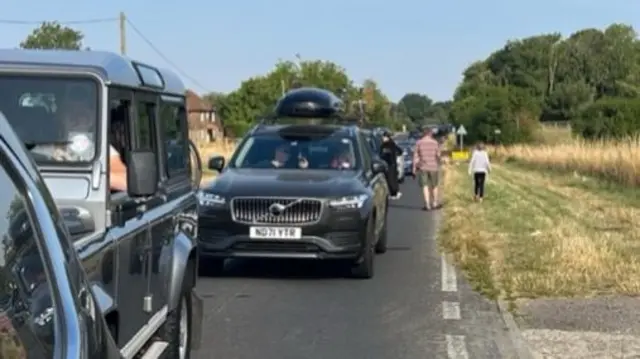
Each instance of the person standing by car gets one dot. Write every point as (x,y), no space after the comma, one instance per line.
(426,165)
(479,166)
(389,152)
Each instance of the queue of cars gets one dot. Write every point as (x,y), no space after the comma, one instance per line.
(88,270)
(302,184)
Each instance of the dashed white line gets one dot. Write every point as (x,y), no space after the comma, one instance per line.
(456,347)
(449,280)
(451,310)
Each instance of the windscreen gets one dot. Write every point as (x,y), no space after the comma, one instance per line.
(56,117)
(296,152)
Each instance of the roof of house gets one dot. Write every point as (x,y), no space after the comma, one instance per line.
(197,103)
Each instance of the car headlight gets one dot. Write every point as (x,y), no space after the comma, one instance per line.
(210,199)
(349,202)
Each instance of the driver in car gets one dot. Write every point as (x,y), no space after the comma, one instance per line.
(282,156)
(79,121)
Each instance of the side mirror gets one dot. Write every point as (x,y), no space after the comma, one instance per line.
(379,166)
(142,173)
(216,163)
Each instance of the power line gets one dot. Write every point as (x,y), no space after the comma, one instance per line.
(70,22)
(164,57)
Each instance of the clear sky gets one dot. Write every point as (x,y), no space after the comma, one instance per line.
(405,45)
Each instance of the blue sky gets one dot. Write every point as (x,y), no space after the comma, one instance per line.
(405,45)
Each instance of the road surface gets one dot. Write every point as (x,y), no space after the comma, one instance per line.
(415,307)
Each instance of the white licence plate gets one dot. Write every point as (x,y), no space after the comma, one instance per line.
(275,233)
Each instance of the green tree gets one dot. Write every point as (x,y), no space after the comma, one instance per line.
(52,35)
(590,78)
(256,96)
(415,106)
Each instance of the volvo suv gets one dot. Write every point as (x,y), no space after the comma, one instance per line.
(301,185)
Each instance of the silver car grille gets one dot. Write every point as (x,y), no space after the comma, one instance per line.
(273,210)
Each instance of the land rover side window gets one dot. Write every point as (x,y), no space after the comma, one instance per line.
(173,124)
(144,135)
(26,306)
(55,116)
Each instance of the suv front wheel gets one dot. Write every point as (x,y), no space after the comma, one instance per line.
(363,269)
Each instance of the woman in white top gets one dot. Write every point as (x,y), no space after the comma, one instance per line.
(479,166)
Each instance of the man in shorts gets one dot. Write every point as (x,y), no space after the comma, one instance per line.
(426,166)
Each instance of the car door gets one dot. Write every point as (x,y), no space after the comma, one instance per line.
(377,183)
(159,214)
(128,231)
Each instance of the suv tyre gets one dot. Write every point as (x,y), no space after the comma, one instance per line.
(363,269)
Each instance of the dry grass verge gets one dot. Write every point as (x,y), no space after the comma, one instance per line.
(541,235)
(612,161)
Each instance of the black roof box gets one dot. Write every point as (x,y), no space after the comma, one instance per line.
(308,102)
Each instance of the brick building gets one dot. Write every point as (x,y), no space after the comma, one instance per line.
(204,126)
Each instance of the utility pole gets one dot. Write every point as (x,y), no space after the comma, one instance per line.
(123,33)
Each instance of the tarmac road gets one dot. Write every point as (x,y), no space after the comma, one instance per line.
(415,306)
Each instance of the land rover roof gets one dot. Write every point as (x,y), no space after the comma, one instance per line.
(114,69)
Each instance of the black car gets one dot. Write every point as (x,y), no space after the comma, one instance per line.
(300,186)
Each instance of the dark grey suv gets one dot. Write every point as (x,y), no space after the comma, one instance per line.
(309,189)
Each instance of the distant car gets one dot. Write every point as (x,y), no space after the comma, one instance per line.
(408,146)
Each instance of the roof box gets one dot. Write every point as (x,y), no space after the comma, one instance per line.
(309,102)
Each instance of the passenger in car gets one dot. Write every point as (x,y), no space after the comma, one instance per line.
(117,167)
(343,160)
(117,171)
(282,158)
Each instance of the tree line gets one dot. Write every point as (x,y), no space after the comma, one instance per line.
(590,79)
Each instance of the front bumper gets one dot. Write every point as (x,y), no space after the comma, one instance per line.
(339,234)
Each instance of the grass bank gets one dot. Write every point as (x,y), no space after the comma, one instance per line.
(541,235)
(614,161)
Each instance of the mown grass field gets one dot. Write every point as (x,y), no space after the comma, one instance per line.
(542,233)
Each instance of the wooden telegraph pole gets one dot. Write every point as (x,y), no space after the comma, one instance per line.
(123,33)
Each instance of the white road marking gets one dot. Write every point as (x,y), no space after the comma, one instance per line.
(451,310)
(456,347)
(449,280)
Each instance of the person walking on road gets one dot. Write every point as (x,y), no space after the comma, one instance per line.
(426,166)
(389,152)
(479,167)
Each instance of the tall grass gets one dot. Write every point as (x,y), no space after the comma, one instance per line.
(616,161)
